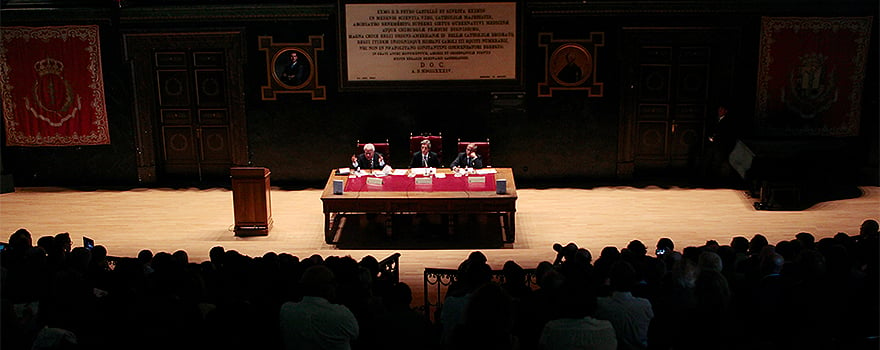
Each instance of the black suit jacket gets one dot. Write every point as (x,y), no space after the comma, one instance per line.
(462,161)
(295,74)
(364,163)
(433,160)
(724,133)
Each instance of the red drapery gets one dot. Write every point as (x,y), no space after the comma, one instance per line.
(810,75)
(52,86)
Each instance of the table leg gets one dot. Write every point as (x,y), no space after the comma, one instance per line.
(510,222)
(328,228)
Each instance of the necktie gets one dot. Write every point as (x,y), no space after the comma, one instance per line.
(425,160)
(371,163)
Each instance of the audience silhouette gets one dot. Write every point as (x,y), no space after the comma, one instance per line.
(801,293)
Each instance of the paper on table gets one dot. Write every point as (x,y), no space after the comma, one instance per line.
(486,171)
(399,172)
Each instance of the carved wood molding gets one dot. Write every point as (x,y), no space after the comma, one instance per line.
(139,49)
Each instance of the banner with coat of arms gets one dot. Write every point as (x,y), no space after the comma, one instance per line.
(52,86)
(811,73)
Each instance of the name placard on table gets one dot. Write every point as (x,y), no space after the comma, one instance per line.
(476,179)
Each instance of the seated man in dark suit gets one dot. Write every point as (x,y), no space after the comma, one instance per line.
(468,159)
(425,158)
(370,159)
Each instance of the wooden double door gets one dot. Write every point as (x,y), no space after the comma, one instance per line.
(675,78)
(189,108)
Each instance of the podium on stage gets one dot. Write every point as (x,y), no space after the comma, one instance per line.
(251,201)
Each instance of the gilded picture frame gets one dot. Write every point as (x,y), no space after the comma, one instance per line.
(571,64)
(292,68)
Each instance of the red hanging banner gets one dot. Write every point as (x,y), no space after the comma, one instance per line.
(811,74)
(52,86)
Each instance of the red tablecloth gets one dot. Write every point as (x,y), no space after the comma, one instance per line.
(403,183)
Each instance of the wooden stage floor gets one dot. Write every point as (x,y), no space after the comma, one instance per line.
(197,219)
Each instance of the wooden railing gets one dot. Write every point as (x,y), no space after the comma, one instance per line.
(437,281)
(389,268)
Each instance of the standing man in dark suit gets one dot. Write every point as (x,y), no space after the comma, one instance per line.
(425,158)
(370,159)
(468,159)
(721,140)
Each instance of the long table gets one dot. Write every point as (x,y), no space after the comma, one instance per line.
(420,194)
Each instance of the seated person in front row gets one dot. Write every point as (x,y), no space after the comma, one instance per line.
(468,159)
(425,158)
(370,159)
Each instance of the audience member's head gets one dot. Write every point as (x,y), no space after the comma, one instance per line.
(728,258)
(478,257)
(47,243)
(371,264)
(637,248)
(836,256)
(79,259)
(692,254)
(318,281)
(145,256)
(316,259)
(740,244)
(513,273)
(610,253)
(216,254)
(541,271)
(665,245)
(181,258)
(163,262)
(807,240)
(623,276)
(476,274)
(869,229)
(711,245)
(712,292)
(399,296)
(812,264)
(788,249)
(566,252)
(99,253)
(489,307)
(772,264)
(63,241)
(576,303)
(20,240)
(710,260)
(584,255)
(757,243)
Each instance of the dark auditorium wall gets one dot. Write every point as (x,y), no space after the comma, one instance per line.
(568,136)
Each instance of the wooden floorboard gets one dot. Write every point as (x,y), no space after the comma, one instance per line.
(195,220)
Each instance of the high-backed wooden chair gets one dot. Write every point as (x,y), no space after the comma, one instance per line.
(381,147)
(482,150)
(415,144)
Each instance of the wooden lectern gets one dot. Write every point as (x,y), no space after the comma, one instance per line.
(250,198)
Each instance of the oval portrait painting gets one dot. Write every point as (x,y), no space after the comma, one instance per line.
(292,68)
(571,65)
